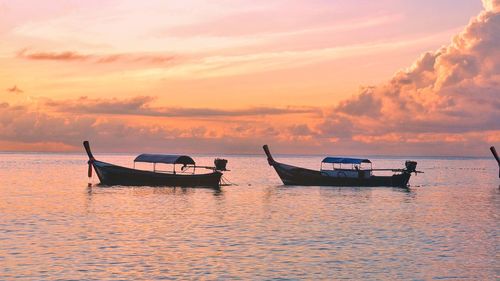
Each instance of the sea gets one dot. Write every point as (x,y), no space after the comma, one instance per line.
(53,226)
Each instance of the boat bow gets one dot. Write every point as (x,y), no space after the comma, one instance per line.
(86,145)
(270,158)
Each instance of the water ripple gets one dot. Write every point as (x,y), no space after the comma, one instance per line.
(54,228)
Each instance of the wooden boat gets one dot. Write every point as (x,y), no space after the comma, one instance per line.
(357,175)
(110,174)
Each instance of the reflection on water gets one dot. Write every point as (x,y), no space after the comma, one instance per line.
(52,226)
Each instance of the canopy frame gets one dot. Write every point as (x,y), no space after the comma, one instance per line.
(165,159)
(345,160)
(184,160)
(354,162)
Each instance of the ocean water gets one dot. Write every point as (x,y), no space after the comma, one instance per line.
(54,227)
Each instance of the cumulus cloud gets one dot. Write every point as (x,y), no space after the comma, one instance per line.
(491,5)
(454,90)
(141,105)
(365,104)
(300,130)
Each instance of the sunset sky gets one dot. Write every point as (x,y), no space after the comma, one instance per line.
(388,77)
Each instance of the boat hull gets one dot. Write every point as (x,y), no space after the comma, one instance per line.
(292,175)
(110,174)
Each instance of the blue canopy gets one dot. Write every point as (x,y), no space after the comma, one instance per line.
(343,160)
(167,159)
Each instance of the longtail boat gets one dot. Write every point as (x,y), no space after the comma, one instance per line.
(110,174)
(343,172)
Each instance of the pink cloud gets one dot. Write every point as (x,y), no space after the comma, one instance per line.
(452,91)
(14,90)
(141,106)
(59,56)
(96,58)
(29,127)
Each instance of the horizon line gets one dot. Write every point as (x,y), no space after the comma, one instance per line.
(256,154)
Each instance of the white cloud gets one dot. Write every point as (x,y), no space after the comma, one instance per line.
(491,5)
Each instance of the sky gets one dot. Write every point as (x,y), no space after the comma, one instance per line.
(388,77)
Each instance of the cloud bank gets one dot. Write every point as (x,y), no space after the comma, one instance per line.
(24,127)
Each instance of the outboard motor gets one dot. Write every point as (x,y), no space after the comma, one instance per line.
(220,164)
(411,166)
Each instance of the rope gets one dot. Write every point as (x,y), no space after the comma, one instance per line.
(226,182)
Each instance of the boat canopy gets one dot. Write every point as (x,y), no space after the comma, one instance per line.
(166,159)
(343,160)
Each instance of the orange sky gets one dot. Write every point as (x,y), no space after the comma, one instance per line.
(196,76)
